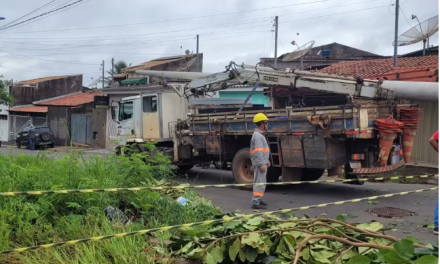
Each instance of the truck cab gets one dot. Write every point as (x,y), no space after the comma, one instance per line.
(147,117)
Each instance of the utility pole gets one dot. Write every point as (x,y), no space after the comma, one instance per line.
(396,32)
(113,67)
(275,58)
(103,74)
(197,54)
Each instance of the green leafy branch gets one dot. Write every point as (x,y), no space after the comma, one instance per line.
(320,241)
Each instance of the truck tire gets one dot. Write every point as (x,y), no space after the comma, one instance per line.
(242,167)
(309,174)
(243,172)
(185,168)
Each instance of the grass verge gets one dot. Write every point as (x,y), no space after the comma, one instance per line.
(32,220)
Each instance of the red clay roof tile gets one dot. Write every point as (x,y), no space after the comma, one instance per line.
(30,109)
(372,68)
(73,100)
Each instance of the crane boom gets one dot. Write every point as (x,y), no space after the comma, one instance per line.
(271,77)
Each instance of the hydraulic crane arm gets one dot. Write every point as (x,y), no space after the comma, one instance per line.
(271,77)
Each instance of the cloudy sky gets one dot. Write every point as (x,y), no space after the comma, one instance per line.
(78,38)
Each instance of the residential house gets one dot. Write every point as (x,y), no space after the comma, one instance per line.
(422,69)
(26,92)
(322,56)
(74,120)
(71,117)
(129,77)
(433,50)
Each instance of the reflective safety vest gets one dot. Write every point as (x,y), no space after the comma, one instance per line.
(259,149)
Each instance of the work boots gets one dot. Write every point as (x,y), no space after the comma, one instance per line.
(262,205)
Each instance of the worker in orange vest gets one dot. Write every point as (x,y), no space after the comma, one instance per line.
(259,153)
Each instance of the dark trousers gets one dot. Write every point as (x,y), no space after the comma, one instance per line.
(31,144)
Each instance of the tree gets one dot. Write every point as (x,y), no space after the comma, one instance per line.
(5,97)
(117,69)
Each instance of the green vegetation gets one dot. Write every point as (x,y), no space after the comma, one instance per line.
(311,241)
(5,97)
(31,220)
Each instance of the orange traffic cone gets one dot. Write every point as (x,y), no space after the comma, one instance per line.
(408,140)
(385,143)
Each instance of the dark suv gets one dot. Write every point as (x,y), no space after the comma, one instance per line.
(43,137)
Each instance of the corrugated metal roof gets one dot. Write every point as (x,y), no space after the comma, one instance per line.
(30,109)
(43,79)
(73,100)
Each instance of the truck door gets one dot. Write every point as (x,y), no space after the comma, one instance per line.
(150,117)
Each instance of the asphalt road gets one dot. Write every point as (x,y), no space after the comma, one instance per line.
(282,197)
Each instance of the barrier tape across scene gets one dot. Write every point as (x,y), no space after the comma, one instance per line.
(208,222)
(179,187)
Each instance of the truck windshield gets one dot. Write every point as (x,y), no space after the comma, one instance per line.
(125,110)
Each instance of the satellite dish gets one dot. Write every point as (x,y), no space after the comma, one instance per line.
(187,52)
(300,52)
(418,33)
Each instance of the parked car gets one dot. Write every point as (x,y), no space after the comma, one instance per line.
(43,137)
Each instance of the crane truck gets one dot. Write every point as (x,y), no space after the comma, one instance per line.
(317,121)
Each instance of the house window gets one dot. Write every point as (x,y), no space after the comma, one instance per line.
(125,110)
(3,117)
(149,104)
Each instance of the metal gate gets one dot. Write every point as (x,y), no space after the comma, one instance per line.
(81,129)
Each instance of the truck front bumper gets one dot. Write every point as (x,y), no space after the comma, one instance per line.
(379,169)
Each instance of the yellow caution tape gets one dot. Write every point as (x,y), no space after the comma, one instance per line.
(208,222)
(179,187)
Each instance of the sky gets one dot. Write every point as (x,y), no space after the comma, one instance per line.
(77,39)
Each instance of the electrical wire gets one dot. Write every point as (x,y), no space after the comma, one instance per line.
(234,24)
(404,15)
(35,10)
(180,19)
(35,58)
(351,11)
(43,14)
(45,72)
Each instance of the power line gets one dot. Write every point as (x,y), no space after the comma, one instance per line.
(221,38)
(180,19)
(205,40)
(352,11)
(207,27)
(3,67)
(43,14)
(404,15)
(31,57)
(35,10)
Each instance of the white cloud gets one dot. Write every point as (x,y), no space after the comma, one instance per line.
(242,37)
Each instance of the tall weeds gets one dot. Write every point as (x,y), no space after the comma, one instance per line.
(31,220)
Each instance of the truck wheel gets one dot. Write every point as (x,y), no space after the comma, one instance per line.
(273,174)
(309,174)
(185,168)
(242,167)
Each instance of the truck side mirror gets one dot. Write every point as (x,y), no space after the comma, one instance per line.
(113,111)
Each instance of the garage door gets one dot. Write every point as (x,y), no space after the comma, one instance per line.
(81,129)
